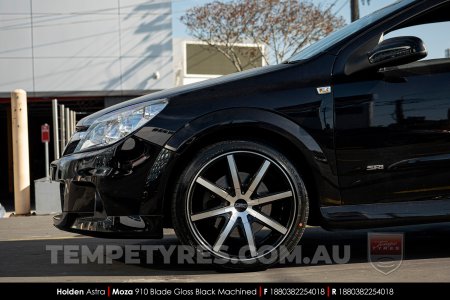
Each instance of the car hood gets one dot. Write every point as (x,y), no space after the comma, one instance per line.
(169,93)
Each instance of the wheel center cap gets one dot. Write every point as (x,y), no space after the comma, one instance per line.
(240,205)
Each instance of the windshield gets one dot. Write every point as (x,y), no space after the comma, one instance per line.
(348,30)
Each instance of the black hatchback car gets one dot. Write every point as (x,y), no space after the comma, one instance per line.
(352,132)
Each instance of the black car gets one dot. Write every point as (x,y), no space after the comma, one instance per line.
(352,132)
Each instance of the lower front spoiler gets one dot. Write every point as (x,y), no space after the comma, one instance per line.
(124,227)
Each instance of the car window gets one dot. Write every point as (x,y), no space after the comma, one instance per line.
(438,46)
(432,27)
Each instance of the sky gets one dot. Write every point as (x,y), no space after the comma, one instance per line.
(430,34)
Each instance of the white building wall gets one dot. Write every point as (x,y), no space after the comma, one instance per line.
(103,47)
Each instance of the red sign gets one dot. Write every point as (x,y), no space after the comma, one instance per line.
(45,133)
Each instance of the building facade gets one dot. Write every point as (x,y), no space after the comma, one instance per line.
(85,47)
(88,54)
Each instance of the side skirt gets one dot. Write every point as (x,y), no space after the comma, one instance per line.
(385,214)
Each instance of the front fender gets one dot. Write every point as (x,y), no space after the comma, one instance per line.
(243,116)
(308,147)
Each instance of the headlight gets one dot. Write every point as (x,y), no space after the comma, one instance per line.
(115,126)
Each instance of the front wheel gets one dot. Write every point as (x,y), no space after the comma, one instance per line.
(242,202)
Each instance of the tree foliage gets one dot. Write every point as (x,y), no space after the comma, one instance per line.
(283,27)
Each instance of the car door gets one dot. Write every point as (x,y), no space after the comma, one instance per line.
(393,125)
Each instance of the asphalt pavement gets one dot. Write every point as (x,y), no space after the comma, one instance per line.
(25,257)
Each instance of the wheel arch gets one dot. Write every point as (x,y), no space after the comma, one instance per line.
(254,125)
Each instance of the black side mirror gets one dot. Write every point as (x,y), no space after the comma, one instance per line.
(397,51)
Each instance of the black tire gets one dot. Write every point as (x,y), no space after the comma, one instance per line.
(251,220)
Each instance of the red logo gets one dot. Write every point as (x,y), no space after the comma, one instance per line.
(385,251)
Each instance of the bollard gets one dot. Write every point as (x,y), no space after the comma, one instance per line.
(74,119)
(67,125)
(21,161)
(62,128)
(55,128)
(72,128)
(70,122)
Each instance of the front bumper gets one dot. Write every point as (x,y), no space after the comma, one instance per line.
(116,191)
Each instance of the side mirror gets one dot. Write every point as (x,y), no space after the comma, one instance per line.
(397,51)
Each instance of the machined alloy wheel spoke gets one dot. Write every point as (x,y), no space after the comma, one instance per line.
(257,179)
(213,188)
(211,213)
(268,221)
(225,233)
(234,174)
(271,198)
(221,177)
(249,234)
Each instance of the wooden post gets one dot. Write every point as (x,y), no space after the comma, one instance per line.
(19,117)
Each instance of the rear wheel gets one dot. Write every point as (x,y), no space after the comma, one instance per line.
(243,202)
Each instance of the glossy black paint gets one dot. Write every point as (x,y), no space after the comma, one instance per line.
(401,121)
(397,118)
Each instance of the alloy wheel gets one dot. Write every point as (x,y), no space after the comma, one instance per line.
(241,205)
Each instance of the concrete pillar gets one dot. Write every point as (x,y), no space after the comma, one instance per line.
(21,163)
